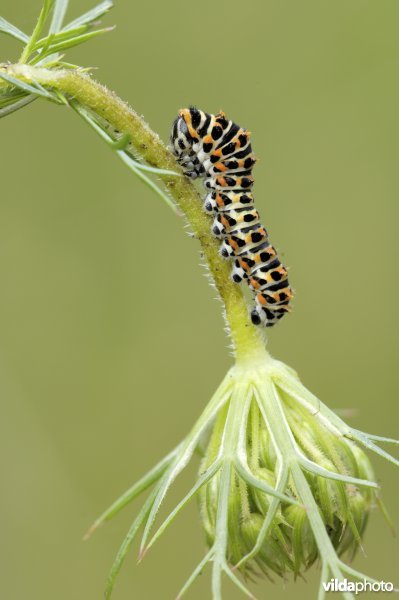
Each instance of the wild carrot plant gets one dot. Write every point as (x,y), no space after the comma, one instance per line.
(284,482)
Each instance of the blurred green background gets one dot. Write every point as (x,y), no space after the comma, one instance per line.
(98,379)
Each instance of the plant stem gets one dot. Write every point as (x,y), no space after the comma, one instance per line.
(248,341)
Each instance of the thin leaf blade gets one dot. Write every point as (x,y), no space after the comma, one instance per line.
(10,29)
(126,544)
(10,108)
(92,15)
(135,490)
(44,13)
(60,8)
(30,89)
(72,42)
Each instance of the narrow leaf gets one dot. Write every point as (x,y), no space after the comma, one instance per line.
(9,29)
(30,89)
(140,486)
(185,453)
(134,166)
(201,481)
(90,16)
(74,41)
(138,171)
(7,110)
(9,95)
(238,583)
(197,571)
(55,38)
(119,144)
(44,47)
(376,438)
(362,439)
(312,467)
(293,387)
(247,476)
(241,462)
(386,515)
(126,544)
(60,8)
(154,170)
(357,574)
(37,30)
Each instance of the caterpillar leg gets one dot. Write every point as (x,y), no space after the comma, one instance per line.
(238,273)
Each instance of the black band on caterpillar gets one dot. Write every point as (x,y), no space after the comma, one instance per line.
(217,149)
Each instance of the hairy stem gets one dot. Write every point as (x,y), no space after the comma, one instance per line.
(248,341)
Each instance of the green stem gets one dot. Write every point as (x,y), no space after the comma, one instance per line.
(248,341)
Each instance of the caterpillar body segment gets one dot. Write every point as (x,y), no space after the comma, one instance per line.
(216,149)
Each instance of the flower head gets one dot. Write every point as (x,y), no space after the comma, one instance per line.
(337,473)
(283,482)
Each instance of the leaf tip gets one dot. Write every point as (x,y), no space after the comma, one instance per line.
(91,530)
(142,553)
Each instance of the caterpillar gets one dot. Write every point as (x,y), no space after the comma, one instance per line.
(215,148)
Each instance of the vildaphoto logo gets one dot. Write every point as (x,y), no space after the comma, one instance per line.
(357,587)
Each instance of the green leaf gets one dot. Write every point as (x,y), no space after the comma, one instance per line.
(237,582)
(92,15)
(10,95)
(133,165)
(47,6)
(363,439)
(74,41)
(357,574)
(186,451)
(140,486)
(9,29)
(201,481)
(197,571)
(14,106)
(60,8)
(245,474)
(377,438)
(55,38)
(127,542)
(313,467)
(38,90)
(47,41)
(385,514)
